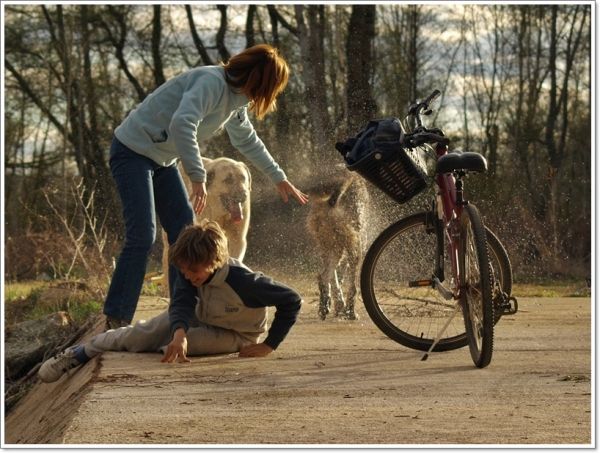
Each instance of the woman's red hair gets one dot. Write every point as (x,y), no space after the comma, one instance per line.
(261,74)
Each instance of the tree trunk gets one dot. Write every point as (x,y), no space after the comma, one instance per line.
(313,72)
(412,54)
(361,34)
(159,76)
(250,41)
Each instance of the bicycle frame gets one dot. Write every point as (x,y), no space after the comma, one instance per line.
(449,206)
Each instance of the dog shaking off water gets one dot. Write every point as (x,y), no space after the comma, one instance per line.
(335,222)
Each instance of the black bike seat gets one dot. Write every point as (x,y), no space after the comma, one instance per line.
(458,160)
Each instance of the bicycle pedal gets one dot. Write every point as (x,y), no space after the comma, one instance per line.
(420,283)
(506,308)
(512,306)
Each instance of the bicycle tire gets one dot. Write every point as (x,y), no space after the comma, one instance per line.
(476,286)
(384,311)
(503,274)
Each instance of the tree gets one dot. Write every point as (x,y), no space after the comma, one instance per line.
(360,66)
(311,30)
(65,58)
(489,72)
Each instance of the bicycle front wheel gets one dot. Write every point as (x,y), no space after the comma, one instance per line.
(412,316)
(476,286)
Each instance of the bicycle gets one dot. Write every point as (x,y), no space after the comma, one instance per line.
(403,283)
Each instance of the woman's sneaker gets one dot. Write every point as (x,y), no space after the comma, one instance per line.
(52,369)
(114,323)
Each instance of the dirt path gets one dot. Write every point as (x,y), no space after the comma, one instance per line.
(333,383)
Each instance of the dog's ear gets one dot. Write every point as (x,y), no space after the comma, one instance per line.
(210,177)
(249,175)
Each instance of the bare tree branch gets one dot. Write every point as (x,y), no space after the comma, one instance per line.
(225,55)
(197,41)
(275,14)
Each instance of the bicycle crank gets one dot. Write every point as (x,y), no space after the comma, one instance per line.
(435,283)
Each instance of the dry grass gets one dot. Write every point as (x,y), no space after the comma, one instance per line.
(570,288)
(25,301)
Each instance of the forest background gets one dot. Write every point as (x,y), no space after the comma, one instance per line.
(516,84)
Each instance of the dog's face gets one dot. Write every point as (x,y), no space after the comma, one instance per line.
(230,182)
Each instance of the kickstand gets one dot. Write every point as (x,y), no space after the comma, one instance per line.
(456,308)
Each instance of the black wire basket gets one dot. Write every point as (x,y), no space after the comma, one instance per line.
(400,173)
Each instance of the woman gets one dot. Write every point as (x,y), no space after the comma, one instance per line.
(168,125)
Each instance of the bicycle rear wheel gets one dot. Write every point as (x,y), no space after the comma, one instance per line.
(405,252)
(476,286)
(502,272)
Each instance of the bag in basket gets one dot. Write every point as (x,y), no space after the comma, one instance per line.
(377,154)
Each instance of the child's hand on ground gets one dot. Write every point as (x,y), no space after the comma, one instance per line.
(177,348)
(255,350)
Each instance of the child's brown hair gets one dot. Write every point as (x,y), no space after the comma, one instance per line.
(202,243)
(261,74)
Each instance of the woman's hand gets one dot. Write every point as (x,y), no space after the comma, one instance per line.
(198,197)
(286,187)
(255,350)
(177,348)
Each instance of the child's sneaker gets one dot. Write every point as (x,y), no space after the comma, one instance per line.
(52,369)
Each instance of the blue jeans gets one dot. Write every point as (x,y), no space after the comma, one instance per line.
(147,190)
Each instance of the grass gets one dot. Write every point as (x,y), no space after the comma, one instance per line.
(14,291)
(564,288)
(25,301)
(79,310)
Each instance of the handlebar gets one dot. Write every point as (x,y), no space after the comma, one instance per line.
(421,135)
(415,109)
(420,138)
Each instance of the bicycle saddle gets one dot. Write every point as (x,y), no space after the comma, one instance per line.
(458,160)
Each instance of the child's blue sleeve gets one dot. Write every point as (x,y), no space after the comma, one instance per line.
(257,290)
(183,304)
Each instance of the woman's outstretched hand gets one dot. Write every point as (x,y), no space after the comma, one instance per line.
(198,197)
(286,187)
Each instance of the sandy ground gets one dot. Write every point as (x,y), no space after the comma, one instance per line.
(333,383)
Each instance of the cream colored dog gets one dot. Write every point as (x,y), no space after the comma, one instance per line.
(228,187)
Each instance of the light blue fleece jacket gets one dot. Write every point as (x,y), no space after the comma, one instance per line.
(187,109)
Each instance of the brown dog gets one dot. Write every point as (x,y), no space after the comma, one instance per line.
(228,188)
(335,222)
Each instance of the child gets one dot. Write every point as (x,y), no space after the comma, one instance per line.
(219,307)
